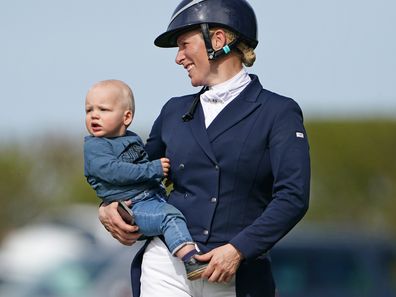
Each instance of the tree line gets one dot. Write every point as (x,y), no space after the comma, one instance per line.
(353,175)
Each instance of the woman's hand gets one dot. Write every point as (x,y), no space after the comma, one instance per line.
(223,263)
(112,221)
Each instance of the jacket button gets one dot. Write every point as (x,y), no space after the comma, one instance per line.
(205,232)
(217,167)
(213,200)
(181,166)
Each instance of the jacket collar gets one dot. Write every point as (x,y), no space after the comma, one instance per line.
(241,107)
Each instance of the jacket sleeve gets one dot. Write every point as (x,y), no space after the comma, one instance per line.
(155,147)
(290,162)
(102,164)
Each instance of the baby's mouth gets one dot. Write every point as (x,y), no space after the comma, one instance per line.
(95,126)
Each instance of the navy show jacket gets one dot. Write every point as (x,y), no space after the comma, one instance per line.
(243,180)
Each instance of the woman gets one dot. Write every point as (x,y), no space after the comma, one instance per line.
(239,160)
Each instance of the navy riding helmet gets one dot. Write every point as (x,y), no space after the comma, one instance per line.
(236,15)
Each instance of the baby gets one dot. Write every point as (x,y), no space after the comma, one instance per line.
(118,168)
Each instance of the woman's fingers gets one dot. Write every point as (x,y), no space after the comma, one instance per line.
(113,223)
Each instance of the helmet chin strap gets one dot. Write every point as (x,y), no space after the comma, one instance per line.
(213,54)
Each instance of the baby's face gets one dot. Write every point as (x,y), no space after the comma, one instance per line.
(105,112)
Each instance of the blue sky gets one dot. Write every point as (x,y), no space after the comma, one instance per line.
(336,58)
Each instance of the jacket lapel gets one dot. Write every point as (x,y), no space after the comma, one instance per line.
(198,129)
(241,107)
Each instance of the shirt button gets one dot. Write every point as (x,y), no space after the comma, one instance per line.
(213,200)
(205,232)
(181,166)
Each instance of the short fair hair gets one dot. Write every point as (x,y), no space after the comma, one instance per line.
(126,92)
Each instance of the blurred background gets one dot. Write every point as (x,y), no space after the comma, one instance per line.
(336,59)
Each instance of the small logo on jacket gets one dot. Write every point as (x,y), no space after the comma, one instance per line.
(299,134)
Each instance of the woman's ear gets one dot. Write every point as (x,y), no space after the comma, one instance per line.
(128,117)
(219,39)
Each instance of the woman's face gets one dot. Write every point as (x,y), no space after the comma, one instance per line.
(192,56)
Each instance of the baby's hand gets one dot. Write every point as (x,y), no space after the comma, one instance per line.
(165,165)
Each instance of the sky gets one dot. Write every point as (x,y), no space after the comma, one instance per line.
(335,58)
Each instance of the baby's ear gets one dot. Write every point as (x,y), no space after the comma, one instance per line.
(128,117)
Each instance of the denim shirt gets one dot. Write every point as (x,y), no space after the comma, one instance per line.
(118,168)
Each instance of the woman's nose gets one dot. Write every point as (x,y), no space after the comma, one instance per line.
(179,57)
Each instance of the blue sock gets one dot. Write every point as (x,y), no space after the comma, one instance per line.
(188,256)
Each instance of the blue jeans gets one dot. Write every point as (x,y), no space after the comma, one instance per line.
(155,216)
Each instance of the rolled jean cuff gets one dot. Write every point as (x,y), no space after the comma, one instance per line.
(174,251)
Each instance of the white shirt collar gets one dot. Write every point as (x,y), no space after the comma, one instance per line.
(227,90)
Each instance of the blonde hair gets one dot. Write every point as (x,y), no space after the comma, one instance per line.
(247,54)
